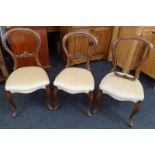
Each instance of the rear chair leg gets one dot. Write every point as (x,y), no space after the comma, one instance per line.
(11,101)
(48,96)
(91,96)
(98,101)
(136,109)
(55,94)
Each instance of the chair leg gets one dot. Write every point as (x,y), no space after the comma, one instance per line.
(91,96)
(48,96)
(11,101)
(55,94)
(98,103)
(134,112)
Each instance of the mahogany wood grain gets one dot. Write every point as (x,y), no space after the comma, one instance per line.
(53,28)
(20,41)
(21,50)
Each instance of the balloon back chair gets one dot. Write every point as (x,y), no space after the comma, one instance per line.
(122,86)
(76,80)
(25,79)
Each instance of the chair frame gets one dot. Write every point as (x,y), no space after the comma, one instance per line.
(25,54)
(88,56)
(114,44)
(3,68)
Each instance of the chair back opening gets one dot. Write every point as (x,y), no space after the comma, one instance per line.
(79,39)
(142,53)
(15,43)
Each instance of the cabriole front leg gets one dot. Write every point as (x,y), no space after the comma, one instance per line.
(48,96)
(136,109)
(91,96)
(98,101)
(55,94)
(11,101)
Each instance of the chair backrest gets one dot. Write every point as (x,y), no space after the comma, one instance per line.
(19,36)
(88,54)
(146,52)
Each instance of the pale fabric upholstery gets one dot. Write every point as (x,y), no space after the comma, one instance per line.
(75,80)
(26,80)
(122,89)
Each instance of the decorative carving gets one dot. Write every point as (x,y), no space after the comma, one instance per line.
(93,44)
(25,54)
(78,55)
(124,76)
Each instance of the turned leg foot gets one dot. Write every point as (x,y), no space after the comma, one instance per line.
(48,96)
(11,101)
(55,94)
(90,95)
(133,113)
(98,103)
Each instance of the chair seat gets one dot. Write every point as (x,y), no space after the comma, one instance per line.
(75,80)
(122,89)
(27,80)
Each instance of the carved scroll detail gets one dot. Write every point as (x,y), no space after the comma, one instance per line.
(24,55)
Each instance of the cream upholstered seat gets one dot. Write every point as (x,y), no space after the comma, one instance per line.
(122,89)
(75,80)
(26,80)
